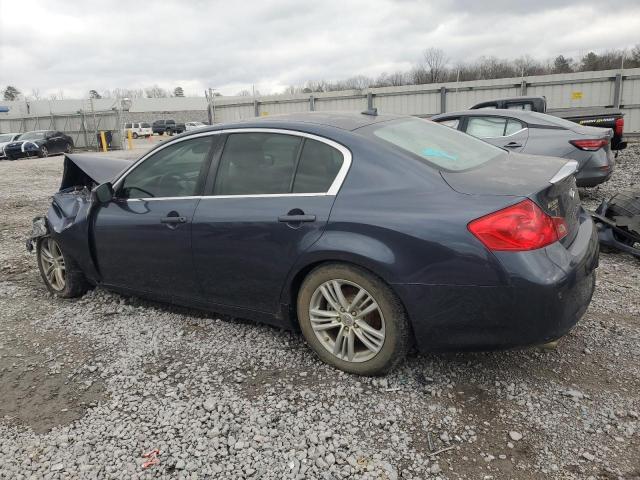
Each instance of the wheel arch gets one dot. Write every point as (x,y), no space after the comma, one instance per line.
(289,295)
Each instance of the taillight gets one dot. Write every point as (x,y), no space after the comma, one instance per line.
(619,126)
(590,145)
(523,226)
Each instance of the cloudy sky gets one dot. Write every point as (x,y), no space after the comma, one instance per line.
(229,45)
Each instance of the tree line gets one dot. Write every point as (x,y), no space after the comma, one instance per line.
(433,67)
(436,67)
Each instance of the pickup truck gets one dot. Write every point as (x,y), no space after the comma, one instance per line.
(169,127)
(603,117)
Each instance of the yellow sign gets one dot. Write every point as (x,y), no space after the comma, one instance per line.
(264,114)
(576,95)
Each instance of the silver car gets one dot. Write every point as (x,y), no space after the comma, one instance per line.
(540,134)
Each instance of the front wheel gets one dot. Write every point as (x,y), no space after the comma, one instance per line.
(44,152)
(353,320)
(60,273)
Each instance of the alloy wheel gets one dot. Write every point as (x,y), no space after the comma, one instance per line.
(347,320)
(44,151)
(52,262)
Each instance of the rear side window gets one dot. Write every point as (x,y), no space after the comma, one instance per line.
(451,123)
(318,167)
(513,126)
(441,147)
(257,163)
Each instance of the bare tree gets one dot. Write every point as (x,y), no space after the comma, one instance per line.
(435,63)
(243,93)
(35,93)
(156,92)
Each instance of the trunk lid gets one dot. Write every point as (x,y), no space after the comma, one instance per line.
(528,176)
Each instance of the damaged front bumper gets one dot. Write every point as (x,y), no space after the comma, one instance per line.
(39,229)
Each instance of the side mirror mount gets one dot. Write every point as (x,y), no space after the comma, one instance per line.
(103,193)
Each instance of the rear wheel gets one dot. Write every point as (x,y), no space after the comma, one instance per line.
(135,135)
(68,148)
(60,273)
(353,320)
(44,152)
(168,132)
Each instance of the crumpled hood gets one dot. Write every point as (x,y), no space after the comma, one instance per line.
(86,170)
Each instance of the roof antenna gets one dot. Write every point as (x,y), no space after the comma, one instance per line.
(371,111)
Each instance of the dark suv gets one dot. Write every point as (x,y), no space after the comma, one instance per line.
(167,126)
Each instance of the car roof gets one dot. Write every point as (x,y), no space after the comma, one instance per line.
(524,115)
(343,120)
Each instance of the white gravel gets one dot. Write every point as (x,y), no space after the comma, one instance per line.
(89,386)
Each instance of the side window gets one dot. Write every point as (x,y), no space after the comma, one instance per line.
(451,123)
(513,126)
(520,106)
(486,127)
(319,164)
(257,163)
(173,171)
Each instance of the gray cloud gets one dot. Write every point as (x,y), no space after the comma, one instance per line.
(52,45)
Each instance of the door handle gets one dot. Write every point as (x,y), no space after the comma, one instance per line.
(173,220)
(513,145)
(296,218)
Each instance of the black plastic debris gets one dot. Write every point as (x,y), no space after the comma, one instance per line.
(618,222)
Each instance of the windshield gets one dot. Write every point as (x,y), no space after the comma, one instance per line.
(32,136)
(6,137)
(440,146)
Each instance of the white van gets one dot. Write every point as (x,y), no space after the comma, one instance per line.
(141,129)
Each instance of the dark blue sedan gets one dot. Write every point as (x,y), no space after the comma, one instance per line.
(367,232)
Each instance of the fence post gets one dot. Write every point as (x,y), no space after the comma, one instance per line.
(443,99)
(312,103)
(256,108)
(523,87)
(617,90)
(369,101)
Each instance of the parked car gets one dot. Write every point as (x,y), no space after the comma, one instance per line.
(40,143)
(539,134)
(603,117)
(5,139)
(194,125)
(139,129)
(169,127)
(367,232)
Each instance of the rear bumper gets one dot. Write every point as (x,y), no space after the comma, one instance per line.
(549,291)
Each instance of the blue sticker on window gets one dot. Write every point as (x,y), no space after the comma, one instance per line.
(432,152)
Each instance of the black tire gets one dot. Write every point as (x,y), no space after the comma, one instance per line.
(75,283)
(397,335)
(44,152)
(134,135)
(168,132)
(68,148)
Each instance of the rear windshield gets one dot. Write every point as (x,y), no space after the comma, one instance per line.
(442,147)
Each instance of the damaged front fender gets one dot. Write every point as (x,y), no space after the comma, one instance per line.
(69,218)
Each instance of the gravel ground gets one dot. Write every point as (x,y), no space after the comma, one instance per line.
(88,386)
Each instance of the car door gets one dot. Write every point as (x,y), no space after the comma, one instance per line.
(503,132)
(143,236)
(269,203)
